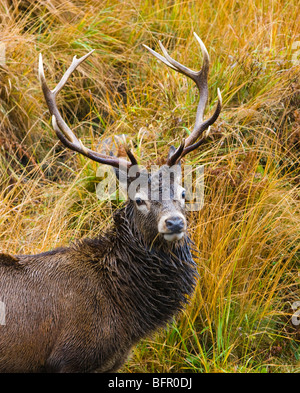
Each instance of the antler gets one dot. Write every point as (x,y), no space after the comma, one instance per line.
(200,78)
(61,128)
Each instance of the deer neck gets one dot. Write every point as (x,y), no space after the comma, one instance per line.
(147,282)
(159,276)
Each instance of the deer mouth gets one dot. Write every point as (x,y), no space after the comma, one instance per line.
(170,237)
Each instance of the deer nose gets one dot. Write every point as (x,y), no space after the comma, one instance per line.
(175,224)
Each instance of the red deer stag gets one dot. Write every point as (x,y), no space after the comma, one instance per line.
(82,308)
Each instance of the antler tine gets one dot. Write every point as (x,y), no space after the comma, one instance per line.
(205,126)
(175,65)
(63,132)
(200,78)
(181,152)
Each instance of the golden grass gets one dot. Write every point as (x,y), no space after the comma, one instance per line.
(248,231)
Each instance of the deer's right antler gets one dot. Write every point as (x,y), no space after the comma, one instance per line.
(200,78)
(64,133)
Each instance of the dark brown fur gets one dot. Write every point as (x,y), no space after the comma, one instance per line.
(82,308)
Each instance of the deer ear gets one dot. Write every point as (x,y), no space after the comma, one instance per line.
(171,152)
(121,175)
(123,178)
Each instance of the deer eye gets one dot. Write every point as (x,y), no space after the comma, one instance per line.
(183,194)
(139,201)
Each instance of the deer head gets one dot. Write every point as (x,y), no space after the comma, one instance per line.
(158,200)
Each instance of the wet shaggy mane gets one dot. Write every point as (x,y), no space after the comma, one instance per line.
(153,280)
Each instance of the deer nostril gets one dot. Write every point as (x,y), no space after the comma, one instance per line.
(175,224)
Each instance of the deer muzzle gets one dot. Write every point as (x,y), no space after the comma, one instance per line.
(172,227)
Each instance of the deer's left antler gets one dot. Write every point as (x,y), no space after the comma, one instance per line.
(192,142)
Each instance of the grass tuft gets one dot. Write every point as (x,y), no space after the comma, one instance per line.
(247,234)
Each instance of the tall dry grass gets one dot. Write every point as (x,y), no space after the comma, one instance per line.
(248,231)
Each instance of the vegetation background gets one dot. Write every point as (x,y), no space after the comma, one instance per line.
(241,318)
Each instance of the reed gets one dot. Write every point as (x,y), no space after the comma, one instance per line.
(239,319)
